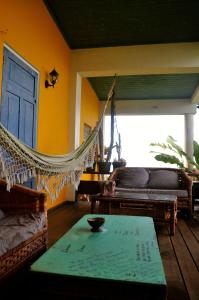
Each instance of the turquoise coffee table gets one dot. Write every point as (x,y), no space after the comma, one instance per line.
(120,262)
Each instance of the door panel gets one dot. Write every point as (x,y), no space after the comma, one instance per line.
(13,114)
(27,119)
(22,78)
(18,111)
(10,113)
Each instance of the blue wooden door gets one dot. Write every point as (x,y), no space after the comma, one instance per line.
(18,112)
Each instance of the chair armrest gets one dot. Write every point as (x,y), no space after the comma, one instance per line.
(108,188)
(21,199)
(113,175)
(187,182)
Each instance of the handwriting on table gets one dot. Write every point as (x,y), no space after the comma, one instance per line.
(124,262)
(127,232)
(143,251)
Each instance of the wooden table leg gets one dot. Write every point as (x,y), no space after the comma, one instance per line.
(173,219)
(105,207)
(93,204)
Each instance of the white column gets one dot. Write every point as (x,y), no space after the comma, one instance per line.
(74,121)
(189,135)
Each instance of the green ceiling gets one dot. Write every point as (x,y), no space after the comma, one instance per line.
(103,23)
(143,87)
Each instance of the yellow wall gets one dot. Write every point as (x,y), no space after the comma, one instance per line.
(27,28)
(90,109)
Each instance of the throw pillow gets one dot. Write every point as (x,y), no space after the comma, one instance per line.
(133,178)
(163,179)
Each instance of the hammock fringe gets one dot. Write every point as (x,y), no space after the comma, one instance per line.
(19,163)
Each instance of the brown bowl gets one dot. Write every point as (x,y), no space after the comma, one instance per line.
(96,223)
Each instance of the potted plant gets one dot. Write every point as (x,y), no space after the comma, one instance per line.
(119,161)
(104,165)
(91,169)
(178,156)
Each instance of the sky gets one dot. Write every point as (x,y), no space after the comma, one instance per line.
(137,132)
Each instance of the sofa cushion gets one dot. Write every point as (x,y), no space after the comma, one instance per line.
(179,193)
(15,229)
(133,177)
(2,214)
(160,179)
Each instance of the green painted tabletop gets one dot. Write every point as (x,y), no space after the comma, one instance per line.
(125,249)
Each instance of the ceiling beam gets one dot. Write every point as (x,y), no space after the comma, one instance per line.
(152,107)
(135,60)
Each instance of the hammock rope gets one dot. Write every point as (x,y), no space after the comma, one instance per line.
(19,162)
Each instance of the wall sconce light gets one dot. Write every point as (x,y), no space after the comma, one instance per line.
(53,77)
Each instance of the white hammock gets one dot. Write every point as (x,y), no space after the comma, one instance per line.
(19,163)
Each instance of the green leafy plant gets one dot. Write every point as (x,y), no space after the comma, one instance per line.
(177,155)
(195,160)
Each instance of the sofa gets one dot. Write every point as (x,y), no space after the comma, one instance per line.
(168,181)
(23,227)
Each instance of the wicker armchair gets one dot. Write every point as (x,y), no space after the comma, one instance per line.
(22,201)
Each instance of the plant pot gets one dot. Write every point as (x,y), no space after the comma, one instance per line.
(104,167)
(118,164)
(91,169)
